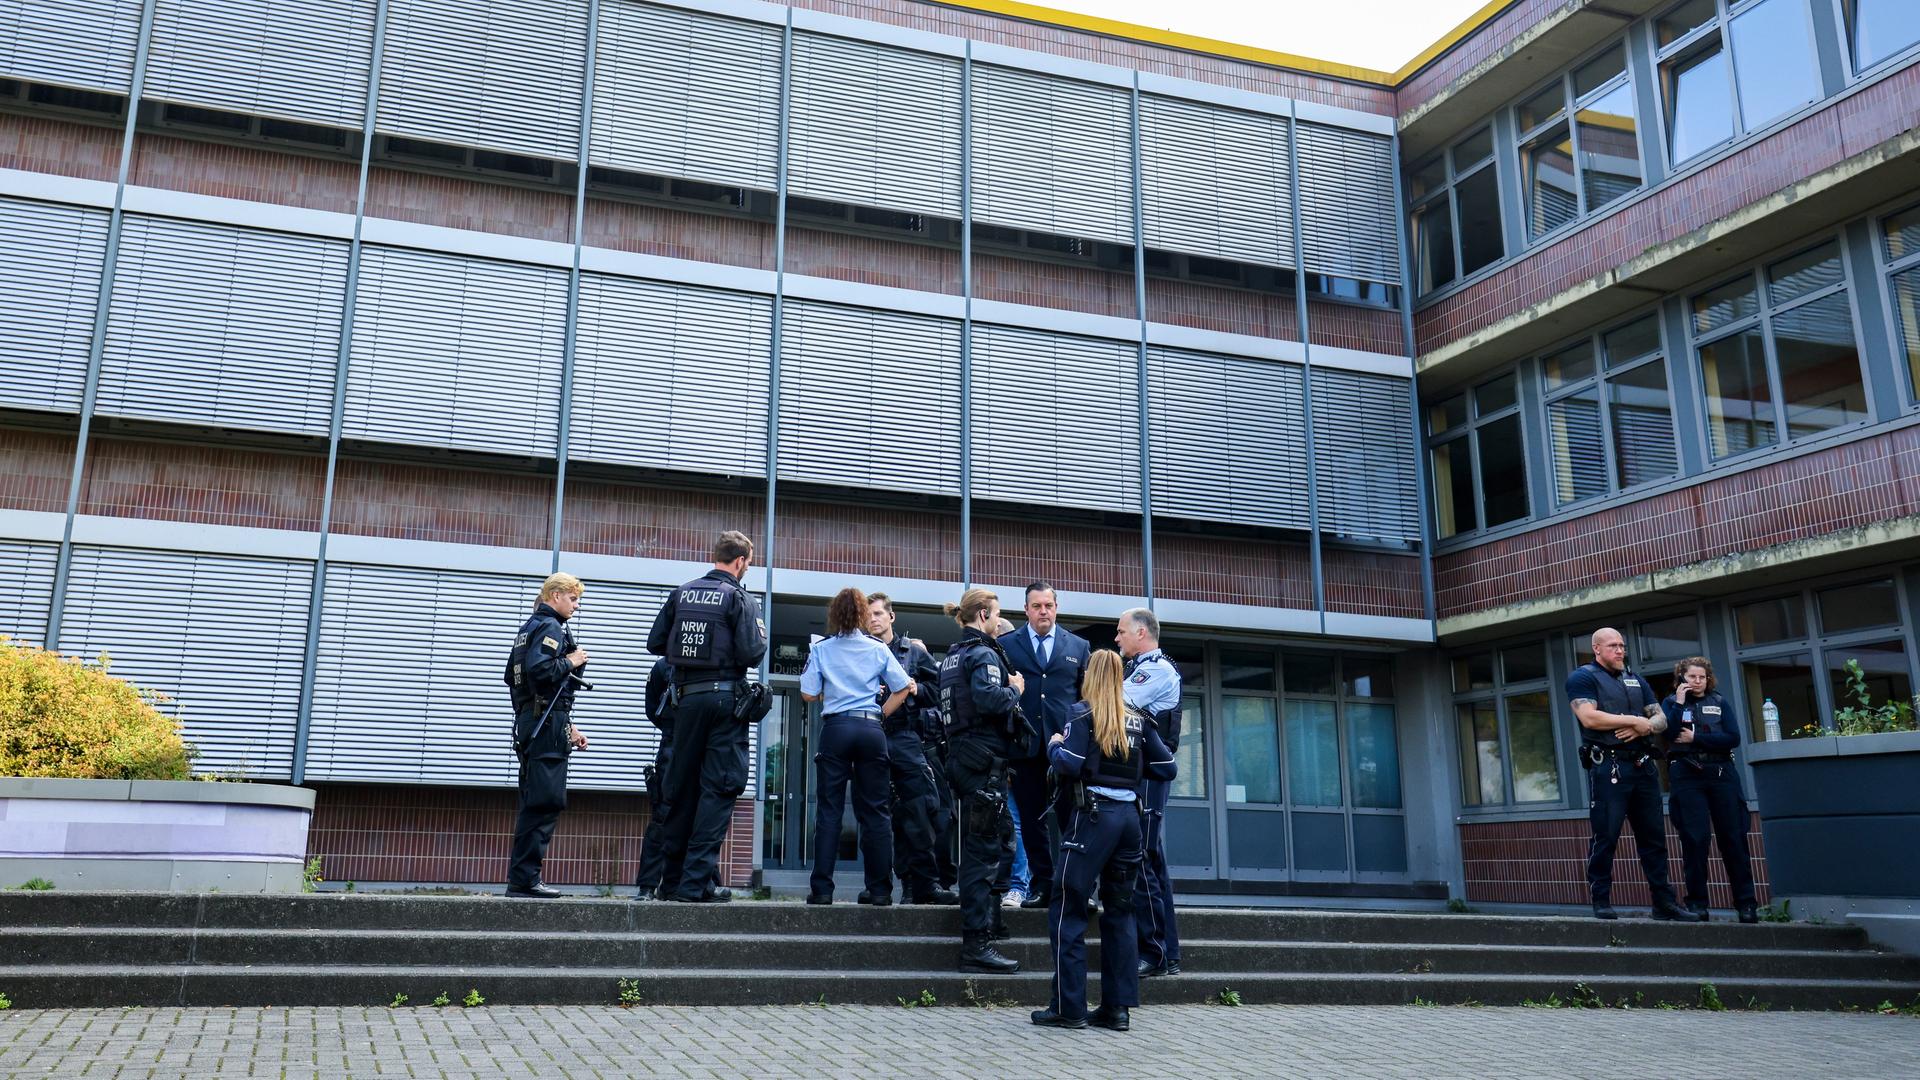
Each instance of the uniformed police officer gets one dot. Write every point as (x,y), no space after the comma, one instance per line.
(980,699)
(653,857)
(1707,801)
(1153,688)
(917,809)
(1107,756)
(541,676)
(709,632)
(1623,781)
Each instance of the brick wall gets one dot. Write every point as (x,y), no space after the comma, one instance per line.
(1346,326)
(244,172)
(1052,285)
(210,485)
(678,234)
(1373,583)
(1545,862)
(873,260)
(1215,307)
(40,145)
(1496,34)
(1009,554)
(1872,479)
(1232,571)
(35,469)
(607,518)
(460,203)
(463,836)
(867,540)
(455,506)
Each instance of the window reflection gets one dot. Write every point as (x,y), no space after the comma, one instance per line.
(1859,606)
(1313,753)
(1906,316)
(1552,200)
(1788,681)
(1881,28)
(1482,775)
(1376,756)
(1433,232)
(1503,465)
(1773,60)
(1579,455)
(1739,397)
(1642,425)
(1699,111)
(1609,147)
(1251,730)
(1453,481)
(1191,758)
(1819,366)
(1536,771)
(1762,621)
(1480,236)
(1883,663)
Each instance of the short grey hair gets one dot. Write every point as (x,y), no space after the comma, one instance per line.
(1143,618)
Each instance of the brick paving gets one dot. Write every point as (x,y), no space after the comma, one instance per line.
(866,1041)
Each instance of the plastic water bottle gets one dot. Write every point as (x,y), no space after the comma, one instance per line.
(1771,713)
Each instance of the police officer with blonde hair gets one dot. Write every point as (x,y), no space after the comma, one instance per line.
(542,674)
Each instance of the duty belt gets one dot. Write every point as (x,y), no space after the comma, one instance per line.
(855,714)
(1715,758)
(712,686)
(1621,753)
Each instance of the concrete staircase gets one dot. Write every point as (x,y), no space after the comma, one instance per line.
(104,949)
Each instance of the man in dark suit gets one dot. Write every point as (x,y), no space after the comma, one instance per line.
(1054,662)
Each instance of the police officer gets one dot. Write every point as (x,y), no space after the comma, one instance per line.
(653,858)
(1623,781)
(541,676)
(1052,660)
(980,699)
(1707,801)
(1106,757)
(918,812)
(1153,688)
(709,632)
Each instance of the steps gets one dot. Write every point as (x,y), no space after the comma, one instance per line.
(102,949)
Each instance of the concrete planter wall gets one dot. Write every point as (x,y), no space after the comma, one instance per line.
(165,835)
(1840,814)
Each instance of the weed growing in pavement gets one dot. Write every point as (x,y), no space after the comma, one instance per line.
(38,884)
(924,1001)
(310,879)
(764,892)
(1422,1003)
(1551,1001)
(472,999)
(1616,942)
(1888,1008)
(1754,1004)
(1710,998)
(442,1000)
(1227,996)
(1473,1003)
(629,993)
(1458,906)
(991,999)
(5,1003)
(398,1000)
(1783,913)
(1586,997)
(1424,967)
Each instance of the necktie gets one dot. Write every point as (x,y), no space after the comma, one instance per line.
(1045,646)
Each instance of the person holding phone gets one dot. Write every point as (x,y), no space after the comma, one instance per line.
(1707,801)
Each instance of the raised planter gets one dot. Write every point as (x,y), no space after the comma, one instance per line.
(166,835)
(1840,814)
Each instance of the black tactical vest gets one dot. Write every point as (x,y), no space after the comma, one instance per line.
(701,639)
(1126,770)
(1624,695)
(956,684)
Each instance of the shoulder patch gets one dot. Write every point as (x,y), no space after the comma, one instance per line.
(993,671)
(549,643)
(521,640)
(1139,677)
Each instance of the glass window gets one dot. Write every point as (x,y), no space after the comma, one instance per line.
(1739,399)
(1473,671)
(1453,483)
(1480,236)
(1523,664)
(1632,341)
(1883,663)
(1609,147)
(1673,638)
(1313,753)
(1762,621)
(1643,437)
(1579,452)
(1599,71)
(1568,366)
(1456,212)
(1428,178)
(1881,28)
(1491,397)
(1542,106)
(1433,235)
(1503,466)
(1308,674)
(1492,453)
(1483,778)
(1903,234)
(1683,20)
(1375,750)
(1788,681)
(1250,727)
(1903,243)
(1633,400)
(1773,60)
(1699,110)
(1246,670)
(1725,305)
(1807,272)
(1820,381)
(1473,149)
(1859,606)
(1191,758)
(1536,769)
(1367,676)
(1446,415)
(1547,164)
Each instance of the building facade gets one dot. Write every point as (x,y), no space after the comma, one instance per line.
(328,329)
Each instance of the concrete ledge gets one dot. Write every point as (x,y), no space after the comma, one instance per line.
(192,791)
(159,874)
(1892,742)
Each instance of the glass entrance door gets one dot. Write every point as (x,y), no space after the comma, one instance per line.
(789,737)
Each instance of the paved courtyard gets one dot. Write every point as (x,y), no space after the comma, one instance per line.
(865,1041)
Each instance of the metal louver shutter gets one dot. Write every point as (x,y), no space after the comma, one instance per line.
(1229,439)
(1083,391)
(222,636)
(612,625)
(1346,204)
(26,588)
(88,43)
(300,59)
(1578,454)
(1364,456)
(677,93)
(500,75)
(839,363)
(644,387)
(50,263)
(875,126)
(408,683)
(1216,181)
(223,326)
(456,352)
(1052,154)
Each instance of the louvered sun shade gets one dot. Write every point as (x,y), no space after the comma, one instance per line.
(504,76)
(685,94)
(875,126)
(50,281)
(1347,211)
(222,636)
(1055,420)
(456,352)
(26,587)
(299,59)
(1228,439)
(223,326)
(1216,181)
(1052,155)
(1364,458)
(84,43)
(844,368)
(670,377)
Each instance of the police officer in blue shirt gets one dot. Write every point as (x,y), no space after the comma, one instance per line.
(541,676)
(653,859)
(980,699)
(847,672)
(918,813)
(709,632)
(1153,688)
(1623,780)
(1109,752)
(1707,801)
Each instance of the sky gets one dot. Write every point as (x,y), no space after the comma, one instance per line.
(1378,34)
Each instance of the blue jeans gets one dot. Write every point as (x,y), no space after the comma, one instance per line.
(1020,879)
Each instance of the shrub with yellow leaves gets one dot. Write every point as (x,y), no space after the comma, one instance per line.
(68,717)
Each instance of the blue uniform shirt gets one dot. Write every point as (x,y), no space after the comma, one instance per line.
(847,671)
(1153,683)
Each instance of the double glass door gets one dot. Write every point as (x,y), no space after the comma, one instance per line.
(789,737)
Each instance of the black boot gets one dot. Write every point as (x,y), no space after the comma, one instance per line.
(1049,1018)
(933,895)
(1602,910)
(1665,910)
(1113,1019)
(977,954)
(1749,913)
(1041,898)
(999,931)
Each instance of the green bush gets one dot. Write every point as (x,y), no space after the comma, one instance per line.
(62,716)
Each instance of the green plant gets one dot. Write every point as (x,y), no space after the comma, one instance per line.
(764,892)
(1552,1001)
(349,886)
(1473,1003)
(310,877)
(5,1003)
(991,999)
(1615,941)
(1784,913)
(65,716)
(1754,1004)
(398,1000)
(1586,997)
(472,999)
(629,993)
(1458,906)
(1227,996)
(441,1000)
(35,884)
(1710,998)
(819,1002)
(924,1001)
(1425,966)
(1423,1003)
(1863,717)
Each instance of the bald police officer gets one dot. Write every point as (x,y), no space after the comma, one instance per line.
(1153,688)
(541,676)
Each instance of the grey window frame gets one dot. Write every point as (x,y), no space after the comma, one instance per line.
(1890,268)
(1498,694)
(1570,104)
(1843,15)
(1603,373)
(1416,206)
(1684,47)
(1816,643)
(1469,432)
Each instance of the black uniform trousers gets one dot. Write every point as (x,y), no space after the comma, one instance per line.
(944,871)
(977,769)
(916,812)
(1707,803)
(853,750)
(1027,786)
(543,794)
(1153,896)
(653,854)
(1099,849)
(707,773)
(1634,798)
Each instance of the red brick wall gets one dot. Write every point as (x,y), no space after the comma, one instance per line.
(1496,34)
(1545,862)
(1052,285)
(1839,131)
(1214,307)
(1373,583)
(678,234)
(1239,571)
(244,172)
(605,518)
(463,835)
(210,485)
(54,146)
(1345,326)
(456,506)
(873,260)
(867,540)
(458,203)
(1009,554)
(1873,479)
(35,469)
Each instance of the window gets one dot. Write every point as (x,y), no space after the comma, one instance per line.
(1661,643)
(1609,419)
(1903,284)
(1728,66)
(1794,650)
(1503,724)
(1579,148)
(1879,29)
(1777,353)
(1487,446)
(1456,212)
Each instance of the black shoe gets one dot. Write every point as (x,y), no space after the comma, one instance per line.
(820,898)
(1149,969)
(645,895)
(711,896)
(978,954)
(1049,1018)
(1749,914)
(1114,1019)
(539,890)
(999,930)
(944,897)
(884,899)
(1605,911)
(865,897)
(1668,911)
(1037,900)
(1699,911)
